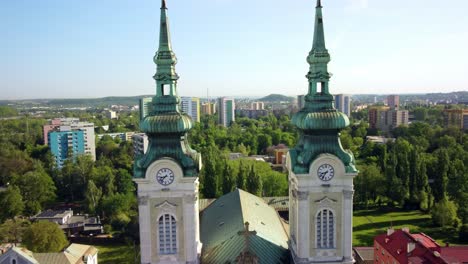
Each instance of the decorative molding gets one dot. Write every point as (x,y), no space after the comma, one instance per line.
(294,193)
(325,202)
(166,207)
(348,195)
(143,200)
(303,195)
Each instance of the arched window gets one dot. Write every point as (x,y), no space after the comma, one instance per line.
(13,261)
(325,227)
(167,226)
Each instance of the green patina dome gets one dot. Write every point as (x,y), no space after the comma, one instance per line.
(167,123)
(326,120)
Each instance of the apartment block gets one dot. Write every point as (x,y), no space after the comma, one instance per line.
(191,106)
(226,108)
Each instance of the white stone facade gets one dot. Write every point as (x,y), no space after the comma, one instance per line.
(321,213)
(178,200)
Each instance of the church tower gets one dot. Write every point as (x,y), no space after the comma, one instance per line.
(321,172)
(167,174)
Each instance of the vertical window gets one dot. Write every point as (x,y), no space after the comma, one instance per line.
(167,227)
(325,228)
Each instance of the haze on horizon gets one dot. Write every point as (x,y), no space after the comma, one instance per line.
(87,48)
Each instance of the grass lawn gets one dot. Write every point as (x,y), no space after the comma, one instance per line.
(120,253)
(369,223)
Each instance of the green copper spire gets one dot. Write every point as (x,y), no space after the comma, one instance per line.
(166,126)
(319,122)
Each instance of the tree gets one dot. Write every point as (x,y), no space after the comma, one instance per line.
(229,183)
(209,176)
(440,174)
(11,203)
(242,176)
(444,213)
(93,196)
(44,236)
(254,182)
(36,187)
(11,231)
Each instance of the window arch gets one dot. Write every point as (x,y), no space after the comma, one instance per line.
(325,228)
(167,227)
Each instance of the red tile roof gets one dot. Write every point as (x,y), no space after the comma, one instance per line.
(458,253)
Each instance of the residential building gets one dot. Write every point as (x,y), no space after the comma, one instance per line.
(140,144)
(145,106)
(226,108)
(257,106)
(343,103)
(69,137)
(254,114)
(111,114)
(208,108)
(124,136)
(457,118)
(191,106)
(300,101)
(73,254)
(402,247)
(71,224)
(393,101)
(386,119)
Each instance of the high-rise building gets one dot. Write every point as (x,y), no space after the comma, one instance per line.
(68,136)
(386,119)
(300,101)
(393,101)
(257,106)
(146,106)
(140,144)
(167,174)
(208,108)
(321,172)
(457,118)
(343,103)
(226,111)
(191,106)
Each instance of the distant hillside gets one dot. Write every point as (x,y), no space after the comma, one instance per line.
(89,102)
(276,98)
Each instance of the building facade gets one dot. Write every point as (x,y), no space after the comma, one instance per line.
(300,101)
(145,106)
(208,108)
(321,172)
(343,103)
(191,106)
(386,119)
(393,101)
(69,138)
(140,144)
(257,106)
(167,174)
(226,111)
(456,118)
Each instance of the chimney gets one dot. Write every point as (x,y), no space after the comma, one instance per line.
(405,229)
(390,231)
(411,247)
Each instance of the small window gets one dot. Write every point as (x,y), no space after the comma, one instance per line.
(167,227)
(166,89)
(319,87)
(13,261)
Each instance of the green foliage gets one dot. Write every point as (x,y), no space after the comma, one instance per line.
(36,188)
(7,111)
(254,182)
(369,185)
(11,203)
(444,213)
(44,236)
(463,234)
(11,231)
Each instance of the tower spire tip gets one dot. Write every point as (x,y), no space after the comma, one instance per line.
(163,4)
(319,3)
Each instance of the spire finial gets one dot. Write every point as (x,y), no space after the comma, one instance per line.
(163,4)
(319,3)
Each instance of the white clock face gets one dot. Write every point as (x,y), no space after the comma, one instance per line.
(325,172)
(165,176)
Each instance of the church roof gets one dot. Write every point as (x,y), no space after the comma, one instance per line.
(223,222)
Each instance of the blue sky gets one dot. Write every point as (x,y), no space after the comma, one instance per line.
(90,48)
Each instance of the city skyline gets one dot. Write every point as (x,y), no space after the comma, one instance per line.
(96,49)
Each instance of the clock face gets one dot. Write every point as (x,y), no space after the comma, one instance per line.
(325,172)
(165,176)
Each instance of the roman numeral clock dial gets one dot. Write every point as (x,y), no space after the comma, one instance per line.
(325,172)
(165,176)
